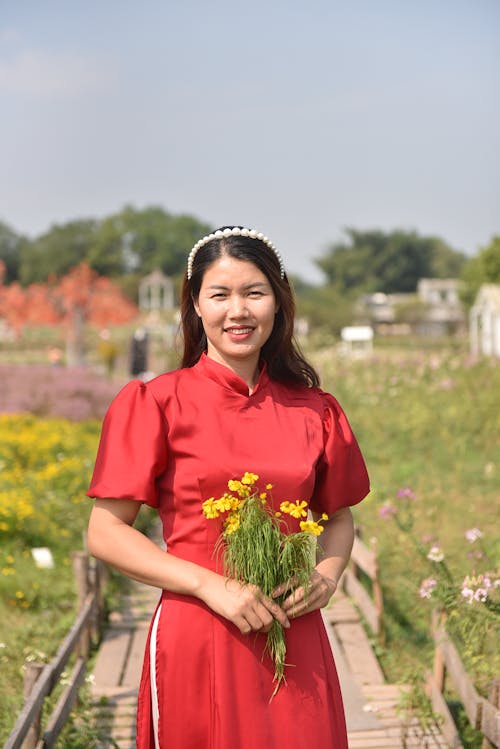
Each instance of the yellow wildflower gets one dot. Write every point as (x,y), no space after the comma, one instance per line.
(324,516)
(249,478)
(19,594)
(225,503)
(238,487)
(263,495)
(278,514)
(210,509)
(295,509)
(309,526)
(269,486)
(232,523)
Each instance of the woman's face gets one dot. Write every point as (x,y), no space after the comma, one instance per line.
(237,306)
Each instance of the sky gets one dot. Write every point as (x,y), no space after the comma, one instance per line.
(295,118)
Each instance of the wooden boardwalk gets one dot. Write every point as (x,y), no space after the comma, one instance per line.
(370,703)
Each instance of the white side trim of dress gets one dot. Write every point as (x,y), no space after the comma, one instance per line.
(152,675)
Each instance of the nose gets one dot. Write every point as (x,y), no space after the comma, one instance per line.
(238,307)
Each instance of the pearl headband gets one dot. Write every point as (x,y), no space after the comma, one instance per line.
(236,232)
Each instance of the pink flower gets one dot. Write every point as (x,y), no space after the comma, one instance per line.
(468,594)
(387,511)
(481,595)
(406,493)
(473,534)
(426,587)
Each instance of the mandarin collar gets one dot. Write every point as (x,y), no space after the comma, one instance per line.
(228,379)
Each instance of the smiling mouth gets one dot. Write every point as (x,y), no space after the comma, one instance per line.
(239,331)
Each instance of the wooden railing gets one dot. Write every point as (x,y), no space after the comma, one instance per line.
(41,679)
(364,560)
(483,714)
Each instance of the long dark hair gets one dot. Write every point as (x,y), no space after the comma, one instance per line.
(283,358)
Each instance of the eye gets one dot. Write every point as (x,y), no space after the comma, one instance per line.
(218,295)
(256,294)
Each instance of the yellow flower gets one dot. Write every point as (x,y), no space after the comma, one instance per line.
(269,486)
(295,509)
(210,509)
(225,503)
(263,495)
(7,571)
(309,526)
(278,514)
(324,516)
(19,594)
(238,487)
(249,478)
(232,523)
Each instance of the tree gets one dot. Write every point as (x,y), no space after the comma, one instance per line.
(56,251)
(80,297)
(129,243)
(392,262)
(10,243)
(483,268)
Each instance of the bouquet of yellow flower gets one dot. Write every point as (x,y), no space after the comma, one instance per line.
(257,551)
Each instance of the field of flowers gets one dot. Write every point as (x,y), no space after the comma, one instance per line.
(429,426)
(45,466)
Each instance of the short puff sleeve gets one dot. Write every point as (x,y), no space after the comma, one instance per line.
(132,451)
(341,475)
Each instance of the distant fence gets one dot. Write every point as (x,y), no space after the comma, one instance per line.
(483,714)
(364,560)
(41,679)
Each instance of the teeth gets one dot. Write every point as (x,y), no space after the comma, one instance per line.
(239,331)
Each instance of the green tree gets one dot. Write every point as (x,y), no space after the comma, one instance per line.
(10,244)
(389,262)
(57,251)
(482,268)
(138,241)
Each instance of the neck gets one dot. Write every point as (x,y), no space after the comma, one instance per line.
(248,370)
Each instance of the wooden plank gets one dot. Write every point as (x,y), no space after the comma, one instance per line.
(364,558)
(359,654)
(439,706)
(490,722)
(462,683)
(42,688)
(64,704)
(135,658)
(111,659)
(355,589)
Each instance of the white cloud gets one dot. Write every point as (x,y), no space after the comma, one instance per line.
(46,74)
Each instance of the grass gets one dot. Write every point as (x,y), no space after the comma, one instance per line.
(429,421)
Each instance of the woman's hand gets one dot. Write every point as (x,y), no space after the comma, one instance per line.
(246,606)
(298,603)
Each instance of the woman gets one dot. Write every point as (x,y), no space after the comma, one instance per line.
(244,399)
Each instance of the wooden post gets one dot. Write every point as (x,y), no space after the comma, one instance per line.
(439,669)
(81,572)
(31,675)
(494,698)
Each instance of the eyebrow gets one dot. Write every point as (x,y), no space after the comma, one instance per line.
(247,286)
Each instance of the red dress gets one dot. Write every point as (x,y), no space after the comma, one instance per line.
(175,442)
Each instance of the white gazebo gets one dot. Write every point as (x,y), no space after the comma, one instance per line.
(484,321)
(156,292)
